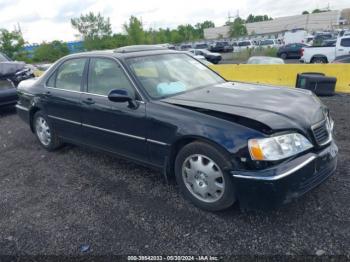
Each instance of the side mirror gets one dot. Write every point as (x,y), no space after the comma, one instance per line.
(119,96)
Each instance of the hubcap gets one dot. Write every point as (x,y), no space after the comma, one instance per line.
(43,131)
(203,178)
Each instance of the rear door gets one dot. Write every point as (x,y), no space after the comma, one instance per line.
(116,127)
(62,98)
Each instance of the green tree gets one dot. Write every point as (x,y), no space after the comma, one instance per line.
(91,44)
(305,12)
(187,32)
(50,52)
(120,40)
(135,32)
(259,18)
(11,43)
(92,26)
(201,26)
(175,37)
(316,11)
(238,28)
(24,56)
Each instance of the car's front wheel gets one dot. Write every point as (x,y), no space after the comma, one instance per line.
(202,174)
(44,132)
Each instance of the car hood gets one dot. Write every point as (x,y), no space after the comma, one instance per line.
(10,68)
(279,108)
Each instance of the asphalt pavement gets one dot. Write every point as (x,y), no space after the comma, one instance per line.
(77,201)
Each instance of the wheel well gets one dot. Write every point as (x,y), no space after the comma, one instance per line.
(319,56)
(175,148)
(31,116)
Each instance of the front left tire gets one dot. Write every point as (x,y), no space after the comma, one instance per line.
(201,172)
(44,132)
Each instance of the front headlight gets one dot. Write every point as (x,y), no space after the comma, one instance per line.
(278,147)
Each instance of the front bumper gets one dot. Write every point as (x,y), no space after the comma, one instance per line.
(214,59)
(8,97)
(273,187)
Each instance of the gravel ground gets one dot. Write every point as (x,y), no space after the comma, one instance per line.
(52,203)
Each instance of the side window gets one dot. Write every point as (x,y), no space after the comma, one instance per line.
(106,75)
(345,42)
(69,75)
(51,81)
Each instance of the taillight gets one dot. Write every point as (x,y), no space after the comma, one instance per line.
(302,52)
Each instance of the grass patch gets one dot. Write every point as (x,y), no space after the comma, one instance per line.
(245,54)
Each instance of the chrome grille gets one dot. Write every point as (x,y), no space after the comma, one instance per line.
(322,132)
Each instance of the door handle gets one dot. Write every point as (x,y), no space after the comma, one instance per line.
(340,49)
(48,93)
(89,101)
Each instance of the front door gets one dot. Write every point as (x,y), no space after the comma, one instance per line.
(113,126)
(344,47)
(62,98)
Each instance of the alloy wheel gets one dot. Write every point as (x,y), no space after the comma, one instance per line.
(203,178)
(43,131)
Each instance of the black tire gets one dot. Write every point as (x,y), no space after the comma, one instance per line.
(221,160)
(284,56)
(55,142)
(319,60)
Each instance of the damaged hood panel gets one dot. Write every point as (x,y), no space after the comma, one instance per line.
(278,108)
(10,68)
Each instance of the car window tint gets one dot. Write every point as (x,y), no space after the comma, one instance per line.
(70,74)
(51,81)
(163,75)
(345,42)
(106,75)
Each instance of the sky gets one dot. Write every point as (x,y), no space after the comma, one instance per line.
(47,20)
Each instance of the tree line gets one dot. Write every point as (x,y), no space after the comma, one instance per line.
(96,32)
(315,11)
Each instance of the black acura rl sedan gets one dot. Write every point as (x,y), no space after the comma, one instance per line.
(223,141)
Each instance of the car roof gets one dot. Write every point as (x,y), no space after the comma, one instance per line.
(128,51)
(138,48)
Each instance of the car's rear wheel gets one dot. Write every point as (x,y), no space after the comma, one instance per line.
(44,132)
(202,174)
(319,60)
(284,56)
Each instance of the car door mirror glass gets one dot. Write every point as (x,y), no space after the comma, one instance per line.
(119,96)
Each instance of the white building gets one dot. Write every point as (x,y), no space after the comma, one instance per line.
(311,22)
